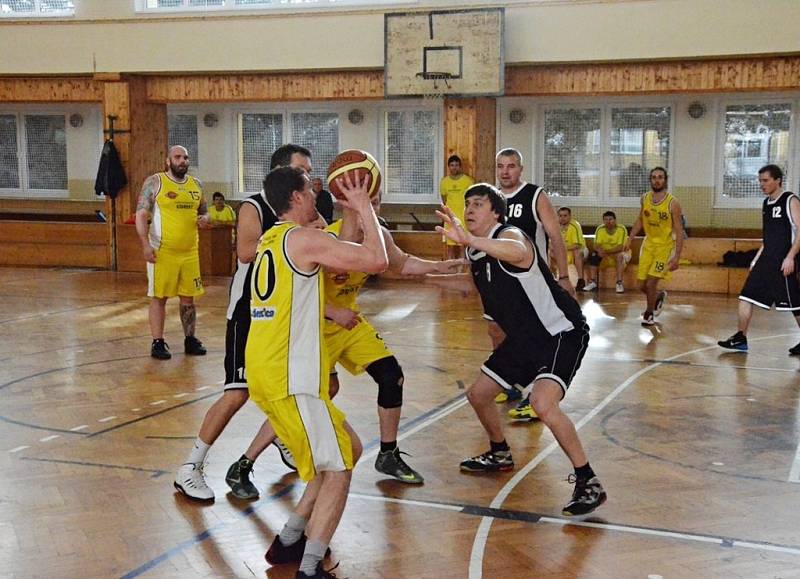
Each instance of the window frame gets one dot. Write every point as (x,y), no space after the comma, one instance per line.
(37,13)
(140,6)
(438,168)
(605,105)
(793,155)
(24,191)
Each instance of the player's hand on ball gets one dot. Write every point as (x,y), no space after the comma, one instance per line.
(354,189)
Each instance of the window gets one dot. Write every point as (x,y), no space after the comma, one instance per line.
(319,133)
(194,5)
(182,130)
(9,159)
(410,155)
(753,135)
(603,153)
(261,133)
(36,8)
(572,151)
(33,155)
(640,139)
(259,136)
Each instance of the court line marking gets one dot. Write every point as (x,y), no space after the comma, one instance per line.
(155,472)
(536,518)
(482,534)
(18,448)
(415,424)
(49,438)
(794,474)
(78,428)
(106,419)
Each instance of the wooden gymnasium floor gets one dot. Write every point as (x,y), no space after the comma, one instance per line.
(695,446)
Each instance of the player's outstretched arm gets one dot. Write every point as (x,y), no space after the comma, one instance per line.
(511,247)
(407,264)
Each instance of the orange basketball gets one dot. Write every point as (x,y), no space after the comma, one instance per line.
(354,161)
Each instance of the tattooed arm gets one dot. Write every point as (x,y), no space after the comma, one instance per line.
(144,211)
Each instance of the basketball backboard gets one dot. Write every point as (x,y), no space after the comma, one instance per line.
(458,52)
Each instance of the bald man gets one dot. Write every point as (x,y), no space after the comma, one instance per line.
(170,209)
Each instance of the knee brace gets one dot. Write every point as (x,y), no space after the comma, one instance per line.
(594,259)
(388,374)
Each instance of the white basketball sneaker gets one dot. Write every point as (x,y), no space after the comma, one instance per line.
(191,482)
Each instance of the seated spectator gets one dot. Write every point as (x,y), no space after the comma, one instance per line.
(221,215)
(609,244)
(572,234)
(324,200)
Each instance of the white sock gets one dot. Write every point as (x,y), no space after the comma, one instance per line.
(198,453)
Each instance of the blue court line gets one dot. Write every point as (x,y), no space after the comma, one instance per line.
(249,511)
(155,473)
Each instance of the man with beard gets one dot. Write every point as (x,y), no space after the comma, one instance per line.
(171,207)
(660,217)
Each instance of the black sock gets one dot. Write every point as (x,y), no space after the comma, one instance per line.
(499,446)
(388,446)
(584,472)
(740,334)
(244,461)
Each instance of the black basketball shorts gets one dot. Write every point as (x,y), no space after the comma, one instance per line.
(520,364)
(235,341)
(766,285)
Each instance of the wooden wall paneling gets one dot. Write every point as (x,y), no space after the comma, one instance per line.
(486,145)
(340,85)
(719,75)
(50,90)
(469,132)
(44,243)
(148,148)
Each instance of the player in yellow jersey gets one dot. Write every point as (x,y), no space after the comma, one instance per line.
(286,357)
(451,188)
(572,234)
(353,343)
(220,213)
(660,216)
(170,209)
(609,244)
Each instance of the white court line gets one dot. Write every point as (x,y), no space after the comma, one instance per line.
(181,395)
(794,474)
(135,409)
(18,449)
(107,419)
(202,388)
(77,428)
(49,438)
(450,408)
(699,538)
(482,534)
(157,402)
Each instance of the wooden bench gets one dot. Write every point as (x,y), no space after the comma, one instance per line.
(702,274)
(50,244)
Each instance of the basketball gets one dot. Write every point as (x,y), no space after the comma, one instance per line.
(353,160)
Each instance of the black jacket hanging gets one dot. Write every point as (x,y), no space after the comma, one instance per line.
(110,175)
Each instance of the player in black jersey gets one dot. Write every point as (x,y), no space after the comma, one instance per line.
(255,217)
(528,207)
(773,277)
(546,337)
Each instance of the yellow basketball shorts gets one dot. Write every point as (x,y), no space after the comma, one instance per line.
(653,261)
(174,274)
(313,429)
(354,349)
(611,260)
